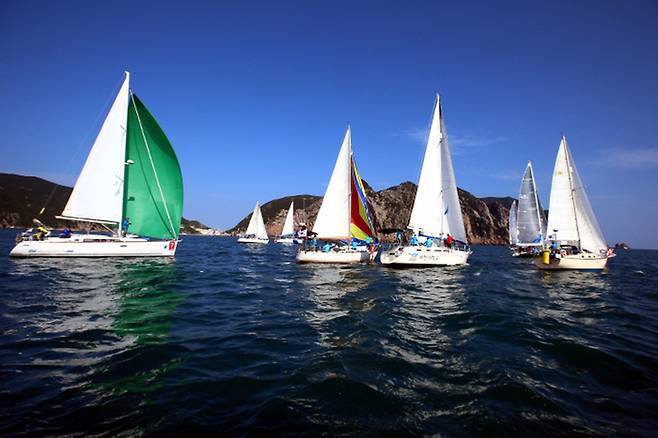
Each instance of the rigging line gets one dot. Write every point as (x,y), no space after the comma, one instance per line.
(157,180)
(82,141)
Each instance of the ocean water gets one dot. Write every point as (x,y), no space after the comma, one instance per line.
(241,339)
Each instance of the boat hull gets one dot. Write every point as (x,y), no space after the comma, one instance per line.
(95,246)
(253,240)
(583,262)
(287,240)
(347,257)
(419,256)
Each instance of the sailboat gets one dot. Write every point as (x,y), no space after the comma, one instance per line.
(288,230)
(575,239)
(530,220)
(344,218)
(131,183)
(436,212)
(513,228)
(256,232)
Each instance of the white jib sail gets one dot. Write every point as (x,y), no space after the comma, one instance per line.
(436,209)
(571,218)
(98,192)
(254,223)
(333,221)
(513,230)
(531,222)
(288,225)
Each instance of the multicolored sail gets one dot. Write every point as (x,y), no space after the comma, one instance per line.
(361,226)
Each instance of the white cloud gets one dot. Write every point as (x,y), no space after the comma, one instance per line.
(631,158)
(458,142)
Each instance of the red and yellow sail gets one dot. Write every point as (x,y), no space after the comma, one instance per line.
(361,226)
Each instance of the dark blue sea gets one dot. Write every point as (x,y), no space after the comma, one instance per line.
(242,340)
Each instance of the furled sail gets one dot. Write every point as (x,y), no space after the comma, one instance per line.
(288,225)
(531,221)
(571,219)
(513,230)
(98,192)
(153,194)
(436,209)
(333,220)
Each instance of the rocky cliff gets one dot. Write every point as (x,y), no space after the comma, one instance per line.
(485,219)
(22,197)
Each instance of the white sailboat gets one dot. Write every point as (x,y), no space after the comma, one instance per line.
(436,213)
(574,235)
(288,231)
(344,217)
(530,219)
(256,232)
(131,183)
(513,229)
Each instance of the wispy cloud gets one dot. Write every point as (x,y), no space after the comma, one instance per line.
(630,158)
(458,142)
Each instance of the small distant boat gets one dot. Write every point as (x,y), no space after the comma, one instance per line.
(256,232)
(344,218)
(513,229)
(576,241)
(530,221)
(131,183)
(436,213)
(288,232)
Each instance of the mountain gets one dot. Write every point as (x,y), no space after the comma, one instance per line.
(22,197)
(485,219)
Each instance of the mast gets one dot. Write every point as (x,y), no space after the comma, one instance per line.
(573,189)
(350,163)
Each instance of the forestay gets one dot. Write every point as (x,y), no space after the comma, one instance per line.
(531,222)
(571,218)
(333,220)
(513,230)
(98,192)
(437,210)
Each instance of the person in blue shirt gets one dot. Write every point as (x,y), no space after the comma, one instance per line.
(124,225)
(66,233)
(326,247)
(313,242)
(429,242)
(414,240)
(354,244)
(398,236)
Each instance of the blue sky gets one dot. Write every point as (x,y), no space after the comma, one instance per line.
(255,97)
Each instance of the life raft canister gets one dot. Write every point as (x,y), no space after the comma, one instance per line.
(546,257)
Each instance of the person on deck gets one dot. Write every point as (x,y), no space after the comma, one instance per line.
(66,233)
(449,241)
(414,240)
(398,236)
(41,232)
(326,247)
(429,242)
(124,226)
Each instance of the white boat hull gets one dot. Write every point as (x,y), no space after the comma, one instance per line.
(348,256)
(583,261)
(288,240)
(92,245)
(418,256)
(253,240)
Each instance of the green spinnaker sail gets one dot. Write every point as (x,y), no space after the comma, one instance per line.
(153,184)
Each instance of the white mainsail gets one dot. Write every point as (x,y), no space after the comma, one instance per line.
(288,225)
(531,223)
(256,225)
(436,209)
(333,221)
(513,230)
(98,192)
(571,218)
